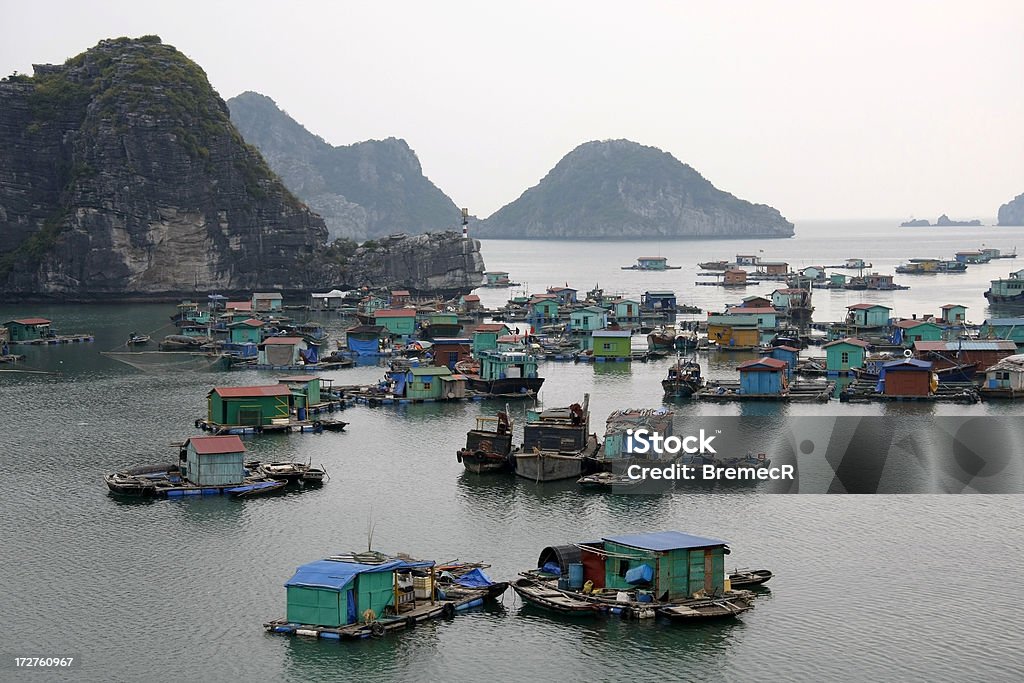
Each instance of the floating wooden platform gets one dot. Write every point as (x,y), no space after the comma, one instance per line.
(59,339)
(725,391)
(863,391)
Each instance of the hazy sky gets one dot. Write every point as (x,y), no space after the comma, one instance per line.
(821,109)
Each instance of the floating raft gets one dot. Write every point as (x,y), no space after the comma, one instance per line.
(382,625)
(798,391)
(864,391)
(59,339)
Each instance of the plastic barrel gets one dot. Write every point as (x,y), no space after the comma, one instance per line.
(302,414)
(575,575)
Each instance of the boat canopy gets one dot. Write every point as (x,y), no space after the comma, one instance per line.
(336,575)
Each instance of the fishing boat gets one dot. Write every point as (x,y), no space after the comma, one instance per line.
(489,446)
(668,574)
(609,481)
(557,443)
(713,265)
(662,337)
(749,578)
(288,471)
(683,380)
(369,594)
(137,339)
(686,340)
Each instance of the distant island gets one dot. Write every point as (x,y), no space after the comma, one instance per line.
(943,221)
(1012,212)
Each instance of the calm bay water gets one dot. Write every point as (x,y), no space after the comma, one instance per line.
(910,587)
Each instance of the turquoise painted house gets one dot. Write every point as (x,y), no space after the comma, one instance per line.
(542,310)
(627,311)
(868,315)
(787,354)
(485,337)
(400,322)
(586,320)
(27,329)
(612,344)
(681,565)
(248,331)
(843,355)
(953,314)
(430,382)
(919,330)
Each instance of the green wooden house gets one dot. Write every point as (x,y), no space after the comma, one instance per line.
(627,310)
(843,355)
(267,301)
(586,320)
(341,591)
(485,337)
(682,564)
(953,314)
(868,315)
(249,406)
(400,322)
(248,331)
(426,382)
(611,343)
(542,310)
(27,329)
(213,460)
(919,330)
(306,385)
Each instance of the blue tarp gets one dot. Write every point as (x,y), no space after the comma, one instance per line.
(552,568)
(664,540)
(336,575)
(474,579)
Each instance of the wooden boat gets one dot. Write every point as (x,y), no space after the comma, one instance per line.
(489,446)
(137,339)
(288,471)
(333,425)
(747,578)
(557,443)
(363,595)
(683,380)
(661,338)
(713,265)
(608,481)
(543,594)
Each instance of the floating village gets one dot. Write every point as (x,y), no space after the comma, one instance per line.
(434,350)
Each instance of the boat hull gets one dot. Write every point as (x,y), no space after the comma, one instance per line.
(508,386)
(542,465)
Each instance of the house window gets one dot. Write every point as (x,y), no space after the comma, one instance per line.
(607,347)
(426,386)
(844,357)
(623,568)
(1002,375)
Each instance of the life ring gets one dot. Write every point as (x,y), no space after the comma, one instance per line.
(377,629)
(318,426)
(448,611)
(198,423)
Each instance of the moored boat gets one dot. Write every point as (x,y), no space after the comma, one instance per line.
(489,446)
(557,443)
(683,380)
(749,578)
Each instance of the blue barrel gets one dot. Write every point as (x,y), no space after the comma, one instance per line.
(563,583)
(641,574)
(302,414)
(575,575)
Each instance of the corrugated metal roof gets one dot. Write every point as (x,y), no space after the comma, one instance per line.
(763,363)
(661,541)
(30,321)
(966,345)
(244,392)
(864,307)
(208,445)
(491,327)
(1005,322)
(849,340)
(611,333)
(907,364)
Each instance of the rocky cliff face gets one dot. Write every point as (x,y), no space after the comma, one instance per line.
(363,191)
(122,174)
(617,189)
(1012,212)
(441,262)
